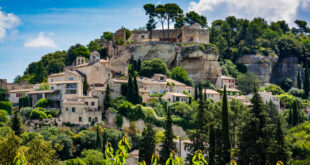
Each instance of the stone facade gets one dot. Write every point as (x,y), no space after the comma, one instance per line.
(212,94)
(267,96)
(222,81)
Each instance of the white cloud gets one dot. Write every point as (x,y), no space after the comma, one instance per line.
(7,22)
(271,10)
(40,41)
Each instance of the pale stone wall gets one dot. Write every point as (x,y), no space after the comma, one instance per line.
(119,35)
(97,73)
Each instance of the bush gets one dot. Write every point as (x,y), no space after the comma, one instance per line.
(26,111)
(242,68)
(296,92)
(44,103)
(76,161)
(6,105)
(274,89)
(53,113)
(3,115)
(181,75)
(245,82)
(149,68)
(119,121)
(38,114)
(287,84)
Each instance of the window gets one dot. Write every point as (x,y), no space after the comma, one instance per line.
(153,91)
(177,98)
(73,109)
(67,109)
(52,87)
(177,91)
(109,75)
(189,91)
(80,119)
(96,119)
(162,78)
(70,78)
(89,119)
(167,90)
(92,103)
(161,91)
(70,89)
(52,80)
(86,103)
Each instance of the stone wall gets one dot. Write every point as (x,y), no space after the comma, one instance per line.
(200,64)
(119,35)
(272,69)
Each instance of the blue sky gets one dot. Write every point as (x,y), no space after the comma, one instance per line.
(30,29)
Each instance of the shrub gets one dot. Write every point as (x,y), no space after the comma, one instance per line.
(287,84)
(76,161)
(274,89)
(6,105)
(3,115)
(26,111)
(53,113)
(44,103)
(38,114)
(296,92)
(242,68)
(119,121)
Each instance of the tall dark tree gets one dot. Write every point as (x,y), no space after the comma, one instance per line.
(254,136)
(16,124)
(196,92)
(180,21)
(76,51)
(151,24)
(85,86)
(295,114)
(137,98)
(298,81)
(225,129)
(173,11)
(160,11)
(98,138)
(168,145)
(107,102)
(212,146)
(200,134)
(302,26)
(3,94)
(147,144)
(130,87)
(193,17)
(306,80)
(40,73)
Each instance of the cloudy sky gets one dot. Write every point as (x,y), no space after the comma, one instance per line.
(29,29)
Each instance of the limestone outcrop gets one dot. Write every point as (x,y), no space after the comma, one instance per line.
(272,69)
(200,61)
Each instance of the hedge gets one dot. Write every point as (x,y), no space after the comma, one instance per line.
(38,114)
(44,103)
(6,105)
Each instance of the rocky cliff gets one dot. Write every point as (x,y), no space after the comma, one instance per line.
(272,69)
(200,61)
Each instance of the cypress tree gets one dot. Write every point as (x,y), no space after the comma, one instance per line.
(107,102)
(298,81)
(104,142)
(200,135)
(137,98)
(168,144)
(225,129)
(295,114)
(212,146)
(130,88)
(254,136)
(147,144)
(16,124)
(306,81)
(196,92)
(98,139)
(205,95)
(290,117)
(85,86)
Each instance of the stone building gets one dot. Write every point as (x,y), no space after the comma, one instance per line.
(193,34)
(267,96)
(222,81)
(212,94)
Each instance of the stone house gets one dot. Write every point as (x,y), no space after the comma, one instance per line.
(243,99)
(230,92)
(222,81)
(14,95)
(176,97)
(192,34)
(212,94)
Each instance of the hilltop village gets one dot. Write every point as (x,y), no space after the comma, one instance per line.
(234,92)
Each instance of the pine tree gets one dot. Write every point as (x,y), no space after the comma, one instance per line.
(295,114)
(212,146)
(272,111)
(107,102)
(298,81)
(147,144)
(225,129)
(168,144)
(98,138)
(85,86)
(254,136)
(200,135)
(16,124)
(306,81)
(133,88)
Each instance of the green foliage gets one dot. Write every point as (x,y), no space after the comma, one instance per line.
(306,81)
(43,103)
(16,124)
(3,94)
(132,88)
(149,68)
(225,129)
(299,139)
(151,24)
(287,84)
(180,74)
(147,144)
(3,116)
(26,111)
(107,102)
(107,36)
(119,121)
(43,87)
(245,82)
(9,146)
(229,69)
(40,73)
(76,51)
(38,113)
(296,92)
(193,17)
(128,32)
(274,89)
(85,140)
(76,161)
(6,105)
(25,101)
(94,46)
(92,157)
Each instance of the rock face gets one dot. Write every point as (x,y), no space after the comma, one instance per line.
(272,69)
(200,62)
